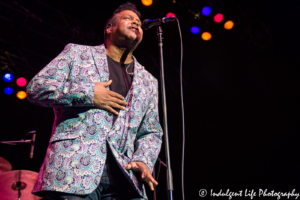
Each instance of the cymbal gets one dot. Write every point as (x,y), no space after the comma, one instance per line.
(13,182)
(5,166)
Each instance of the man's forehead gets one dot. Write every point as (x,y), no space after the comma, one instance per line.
(128,12)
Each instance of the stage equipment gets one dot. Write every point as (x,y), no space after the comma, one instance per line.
(195,30)
(206,36)
(147,2)
(8,77)
(21,82)
(206,11)
(18,185)
(21,95)
(218,18)
(229,25)
(8,90)
(22,141)
(170,14)
(148,23)
(5,166)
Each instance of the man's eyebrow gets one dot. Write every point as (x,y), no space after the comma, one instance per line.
(138,19)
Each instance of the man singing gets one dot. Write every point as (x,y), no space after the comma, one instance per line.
(106,134)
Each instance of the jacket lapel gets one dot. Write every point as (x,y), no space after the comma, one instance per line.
(100,61)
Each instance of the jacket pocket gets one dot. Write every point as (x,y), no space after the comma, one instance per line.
(64,136)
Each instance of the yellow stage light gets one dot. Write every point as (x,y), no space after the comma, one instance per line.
(21,95)
(206,36)
(147,2)
(228,25)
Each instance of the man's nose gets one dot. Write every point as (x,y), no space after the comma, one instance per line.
(134,21)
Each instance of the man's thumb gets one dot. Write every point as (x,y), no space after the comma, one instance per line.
(105,84)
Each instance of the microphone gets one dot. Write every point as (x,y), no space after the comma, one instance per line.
(32,145)
(148,23)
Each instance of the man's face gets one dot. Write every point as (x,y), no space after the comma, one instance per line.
(126,29)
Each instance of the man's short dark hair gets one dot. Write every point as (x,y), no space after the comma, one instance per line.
(125,6)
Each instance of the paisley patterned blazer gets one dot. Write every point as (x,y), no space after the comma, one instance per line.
(77,150)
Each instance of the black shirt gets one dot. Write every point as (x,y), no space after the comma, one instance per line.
(121,80)
(117,182)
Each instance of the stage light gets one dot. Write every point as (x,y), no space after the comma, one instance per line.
(206,11)
(170,15)
(8,90)
(206,36)
(21,95)
(147,2)
(228,25)
(218,18)
(7,77)
(195,30)
(21,82)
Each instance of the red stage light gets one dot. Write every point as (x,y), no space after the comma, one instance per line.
(170,15)
(218,18)
(21,82)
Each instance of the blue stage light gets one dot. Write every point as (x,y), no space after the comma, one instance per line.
(206,11)
(195,30)
(8,90)
(7,77)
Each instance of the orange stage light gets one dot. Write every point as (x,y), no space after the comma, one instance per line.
(206,36)
(228,25)
(21,95)
(147,2)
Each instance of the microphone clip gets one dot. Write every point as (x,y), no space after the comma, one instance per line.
(148,23)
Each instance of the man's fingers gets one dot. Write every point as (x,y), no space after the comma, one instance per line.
(118,101)
(150,185)
(127,166)
(150,178)
(114,94)
(151,181)
(132,166)
(110,109)
(105,84)
(117,106)
(143,175)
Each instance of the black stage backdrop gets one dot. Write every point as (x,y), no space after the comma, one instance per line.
(240,88)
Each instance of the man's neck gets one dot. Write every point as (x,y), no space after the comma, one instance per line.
(121,55)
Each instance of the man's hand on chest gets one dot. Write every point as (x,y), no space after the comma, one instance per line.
(108,100)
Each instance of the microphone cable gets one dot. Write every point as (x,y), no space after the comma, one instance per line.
(182,112)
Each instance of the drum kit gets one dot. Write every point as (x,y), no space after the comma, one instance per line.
(16,184)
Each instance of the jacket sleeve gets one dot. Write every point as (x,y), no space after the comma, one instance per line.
(149,136)
(60,83)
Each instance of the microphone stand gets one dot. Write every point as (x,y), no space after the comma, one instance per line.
(16,142)
(164,104)
(22,141)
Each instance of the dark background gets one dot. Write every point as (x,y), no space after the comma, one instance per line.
(240,88)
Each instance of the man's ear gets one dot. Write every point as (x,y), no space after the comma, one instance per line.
(108,28)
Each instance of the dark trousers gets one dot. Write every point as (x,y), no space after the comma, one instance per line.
(113,185)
